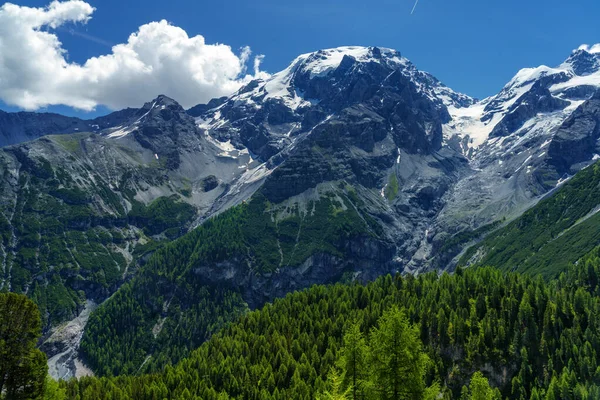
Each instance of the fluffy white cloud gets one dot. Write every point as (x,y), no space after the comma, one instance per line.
(157,59)
(594,49)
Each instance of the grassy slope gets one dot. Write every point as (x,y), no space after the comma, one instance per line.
(558,231)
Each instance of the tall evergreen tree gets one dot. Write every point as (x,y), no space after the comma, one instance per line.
(23,367)
(353,361)
(398,364)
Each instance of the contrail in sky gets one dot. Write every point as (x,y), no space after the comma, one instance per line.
(86,36)
(415,6)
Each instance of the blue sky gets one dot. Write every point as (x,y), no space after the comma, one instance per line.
(472,46)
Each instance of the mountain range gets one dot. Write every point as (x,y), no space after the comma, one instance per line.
(347,165)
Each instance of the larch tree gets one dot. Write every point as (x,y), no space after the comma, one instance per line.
(23,367)
(353,361)
(398,364)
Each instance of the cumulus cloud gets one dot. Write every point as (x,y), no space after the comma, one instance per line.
(157,59)
(594,49)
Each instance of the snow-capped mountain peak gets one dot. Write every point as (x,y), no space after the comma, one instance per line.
(317,78)
(317,65)
(153,109)
(546,94)
(323,62)
(271,117)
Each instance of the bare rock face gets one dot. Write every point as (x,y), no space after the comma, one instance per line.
(584,63)
(577,139)
(200,109)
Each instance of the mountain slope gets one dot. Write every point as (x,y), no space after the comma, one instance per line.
(549,237)
(253,253)
(80,212)
(539,130)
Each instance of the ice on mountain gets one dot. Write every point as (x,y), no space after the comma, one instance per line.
(279,86)
(586,80)
(120,132)
(467,121)
(323,62)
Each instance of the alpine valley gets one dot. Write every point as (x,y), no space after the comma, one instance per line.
(141,234)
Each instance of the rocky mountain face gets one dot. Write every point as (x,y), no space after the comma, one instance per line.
(461,165)
(348,164)
(365,116)
(577,140)
(142,181)
(270,116)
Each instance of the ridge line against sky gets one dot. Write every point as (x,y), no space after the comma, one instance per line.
(64,55)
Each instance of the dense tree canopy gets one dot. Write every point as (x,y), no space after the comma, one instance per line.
(476,334)
(530,339)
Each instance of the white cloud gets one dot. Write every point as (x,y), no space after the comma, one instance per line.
(594,49)
(157,59)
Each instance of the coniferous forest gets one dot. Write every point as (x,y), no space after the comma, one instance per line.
(477,334)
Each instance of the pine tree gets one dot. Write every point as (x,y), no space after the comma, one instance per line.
(552,393)
(53,391)
(432,392)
